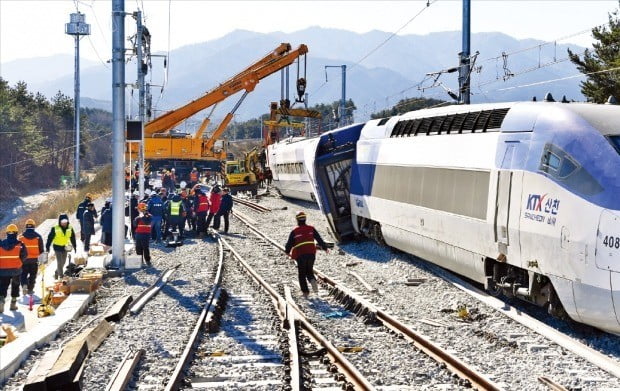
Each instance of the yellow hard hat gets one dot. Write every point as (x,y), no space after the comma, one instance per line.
(300,215)
(30,222)
(11,229)
(89,196)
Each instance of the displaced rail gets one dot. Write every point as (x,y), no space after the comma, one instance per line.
(360,306)
(252,205)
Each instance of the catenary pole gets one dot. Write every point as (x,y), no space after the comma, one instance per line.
(141,88)
(465,63)
(118,133)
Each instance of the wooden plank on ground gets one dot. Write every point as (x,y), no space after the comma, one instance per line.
(69,364)
(119,309)
(96,335)
(38,373)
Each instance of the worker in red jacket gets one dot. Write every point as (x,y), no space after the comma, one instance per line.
(215,198)
(302,248)
(201,209)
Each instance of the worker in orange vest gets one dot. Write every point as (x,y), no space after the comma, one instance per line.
(34,247)
(301,247)
(12,255)
(142,235)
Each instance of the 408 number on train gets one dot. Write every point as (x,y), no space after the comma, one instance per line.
(612,241)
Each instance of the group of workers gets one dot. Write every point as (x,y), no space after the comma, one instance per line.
(20,256)
(158,213)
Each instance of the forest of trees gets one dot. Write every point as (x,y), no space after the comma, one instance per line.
(405,105)
(37,139)
(602,63)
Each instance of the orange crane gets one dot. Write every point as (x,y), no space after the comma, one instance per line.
(166,146)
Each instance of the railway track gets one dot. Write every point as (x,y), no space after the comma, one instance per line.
(424,297)
(266,338)
(252,205)
(352,333)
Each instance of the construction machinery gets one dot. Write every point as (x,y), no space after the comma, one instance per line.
(165,147)
(282,116)
(242,175)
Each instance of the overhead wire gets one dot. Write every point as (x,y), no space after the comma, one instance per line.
(55,151)
(392,35)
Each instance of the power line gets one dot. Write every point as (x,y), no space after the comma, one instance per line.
(392,35)
(558,79)
(55,151)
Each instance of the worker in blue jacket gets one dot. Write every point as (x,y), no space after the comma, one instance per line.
(226,205)
(155,207)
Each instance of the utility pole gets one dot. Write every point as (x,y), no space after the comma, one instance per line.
(343,99)
(77,27)
(118,133)
(464,63)
(143,45)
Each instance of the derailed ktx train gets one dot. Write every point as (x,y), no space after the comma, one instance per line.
(521,197)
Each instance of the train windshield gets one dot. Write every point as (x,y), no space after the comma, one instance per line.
(615,141)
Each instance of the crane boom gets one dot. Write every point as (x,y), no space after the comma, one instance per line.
(246,80)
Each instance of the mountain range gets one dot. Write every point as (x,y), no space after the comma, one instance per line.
(381,69)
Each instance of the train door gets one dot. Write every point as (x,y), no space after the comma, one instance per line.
(502,210)
(333,176)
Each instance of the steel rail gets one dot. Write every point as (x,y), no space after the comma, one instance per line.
(553,385)
(152,290)
(337,358)
(123,373)
(452,363)
(207,313)
(251,205)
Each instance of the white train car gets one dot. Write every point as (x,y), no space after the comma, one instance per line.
(522,197)
(291,165)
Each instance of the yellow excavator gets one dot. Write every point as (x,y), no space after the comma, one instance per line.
(242,175)
(166,148)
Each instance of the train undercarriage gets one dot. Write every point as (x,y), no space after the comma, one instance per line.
(501,278)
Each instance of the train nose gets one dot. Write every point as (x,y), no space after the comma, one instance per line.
(608,253)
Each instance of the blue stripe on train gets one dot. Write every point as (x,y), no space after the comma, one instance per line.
(362,178)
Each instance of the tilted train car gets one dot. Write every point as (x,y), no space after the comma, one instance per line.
(291,165)
(522,197)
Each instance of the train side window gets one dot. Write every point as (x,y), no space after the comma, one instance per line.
(567,167)
(550,160)
(615,141)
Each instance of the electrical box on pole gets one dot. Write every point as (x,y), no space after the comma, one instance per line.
(77,27)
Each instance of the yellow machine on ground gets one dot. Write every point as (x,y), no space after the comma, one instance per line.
(242,175)
(163,146)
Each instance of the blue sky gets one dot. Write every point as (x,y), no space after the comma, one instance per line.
(36,28)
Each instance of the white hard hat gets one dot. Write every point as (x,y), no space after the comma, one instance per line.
(183,184)
(136,192)
(172,170)
(108,200)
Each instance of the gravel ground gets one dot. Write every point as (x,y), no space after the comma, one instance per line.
(249,327)
(511,354)
(165,322)
(385,359)
(161,328)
